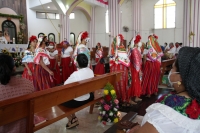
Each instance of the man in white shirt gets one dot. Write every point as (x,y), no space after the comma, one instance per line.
(2,38)
(172,49)
(83,73)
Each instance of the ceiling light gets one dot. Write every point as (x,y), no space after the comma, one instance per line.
(48,6)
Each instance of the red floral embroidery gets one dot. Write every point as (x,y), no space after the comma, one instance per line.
(108,98)
(193,110)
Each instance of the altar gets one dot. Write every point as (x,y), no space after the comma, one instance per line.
(13,47)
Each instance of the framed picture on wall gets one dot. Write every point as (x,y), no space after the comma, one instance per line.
(51,37)
(40,35)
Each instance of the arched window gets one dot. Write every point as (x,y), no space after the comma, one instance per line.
(164,14)
(10,27)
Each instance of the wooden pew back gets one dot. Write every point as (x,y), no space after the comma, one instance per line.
(28,105)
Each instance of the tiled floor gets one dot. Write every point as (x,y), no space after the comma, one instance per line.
(88,123)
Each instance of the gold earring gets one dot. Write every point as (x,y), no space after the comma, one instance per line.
(179,83)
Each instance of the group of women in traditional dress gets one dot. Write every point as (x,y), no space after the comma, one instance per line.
(41,61)
(141,65)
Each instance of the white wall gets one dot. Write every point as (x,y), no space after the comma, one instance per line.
(35,25)
(126,17)
(164,35)
(100,27)
(79,24)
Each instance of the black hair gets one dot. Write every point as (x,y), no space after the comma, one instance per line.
(41,43)
(1,31)
(177,65)
(6,68)
(29,45)
(82,60)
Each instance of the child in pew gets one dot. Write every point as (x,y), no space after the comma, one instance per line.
(84,72)
(10,87)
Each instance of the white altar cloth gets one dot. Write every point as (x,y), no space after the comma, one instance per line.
(13,47)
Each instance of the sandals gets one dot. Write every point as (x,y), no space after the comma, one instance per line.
(72,123)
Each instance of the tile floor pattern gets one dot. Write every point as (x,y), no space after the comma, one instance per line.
(88,123)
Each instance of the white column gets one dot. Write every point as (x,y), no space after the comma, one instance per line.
(64,27)
(114,18)
(191,23)
(136,20)
(92,29)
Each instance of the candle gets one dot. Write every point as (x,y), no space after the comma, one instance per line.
(13,40)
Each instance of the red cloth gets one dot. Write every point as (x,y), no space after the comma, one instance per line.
(151,77)
(121,87)
(57,77)
(25,73)
(66,69)
(136,88)
(42,79)
(99,68)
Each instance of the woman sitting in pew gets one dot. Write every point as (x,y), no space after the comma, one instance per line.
(178,112)
(10,87)
(84,72)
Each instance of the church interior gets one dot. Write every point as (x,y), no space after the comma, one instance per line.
(94,66)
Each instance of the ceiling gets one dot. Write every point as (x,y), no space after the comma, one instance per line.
(50,7)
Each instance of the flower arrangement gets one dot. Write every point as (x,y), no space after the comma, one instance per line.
(16,57)
(109,106)
(20,37)
(6,51)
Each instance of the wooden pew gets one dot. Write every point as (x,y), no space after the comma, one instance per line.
(44,103)
(164,65)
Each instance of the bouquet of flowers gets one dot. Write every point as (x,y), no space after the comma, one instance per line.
(6,51)
(109,106)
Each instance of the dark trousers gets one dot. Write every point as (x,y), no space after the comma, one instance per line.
(75,104)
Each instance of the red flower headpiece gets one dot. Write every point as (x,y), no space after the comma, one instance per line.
(52,43)
(155,36)
(32,38)
(137,39)
(121,37)
(84,35)
(99,43)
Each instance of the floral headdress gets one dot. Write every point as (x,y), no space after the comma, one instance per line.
(32,38)
(137,39)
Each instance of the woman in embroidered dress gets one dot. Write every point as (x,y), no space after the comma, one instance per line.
(178,112)
(67,62)
(43,75)
(151,72)
(119,61)
(99,68)
(28,59)
(81,47)
(135,89)
(53,54)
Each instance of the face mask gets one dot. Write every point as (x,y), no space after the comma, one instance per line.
(50,47)
(87,40)
(171,83)
(139,44)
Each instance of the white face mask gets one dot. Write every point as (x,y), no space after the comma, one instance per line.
(50,47)
(170,73)
(139,44)
(87,39)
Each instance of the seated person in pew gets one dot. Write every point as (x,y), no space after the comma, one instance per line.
(10,87)
(178,112)
(170,52)
(83,73)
